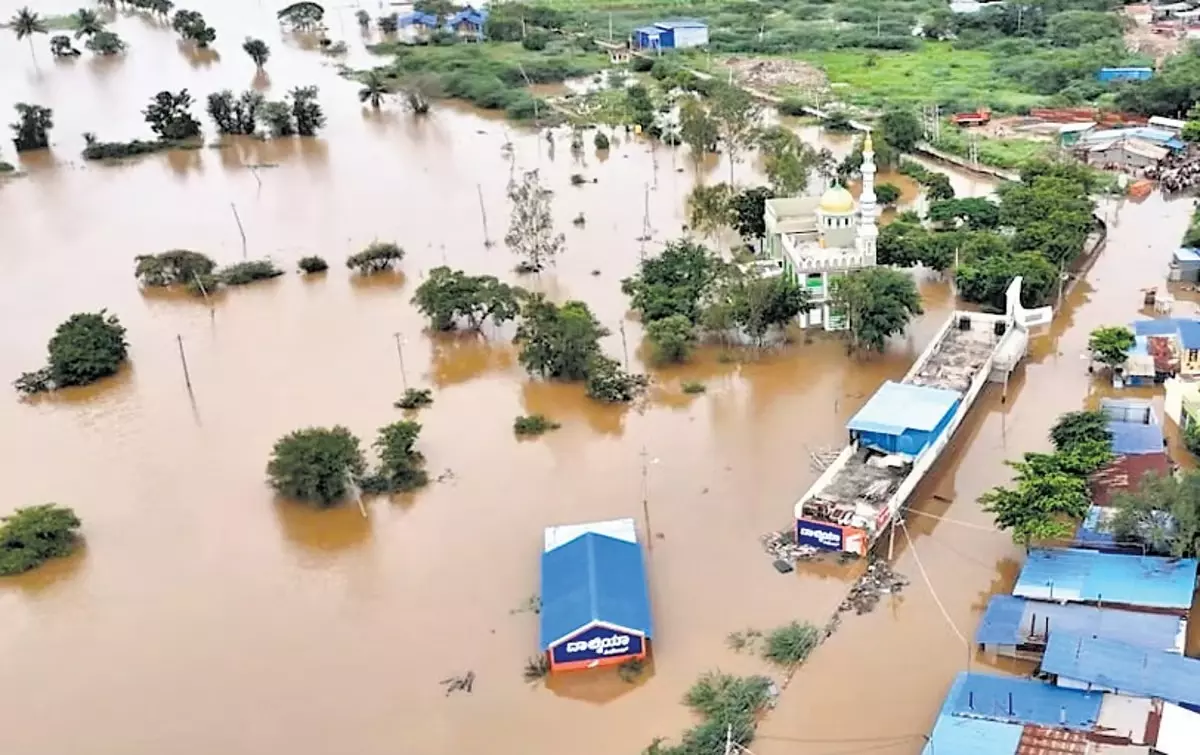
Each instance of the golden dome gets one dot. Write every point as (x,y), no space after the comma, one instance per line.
(836,200)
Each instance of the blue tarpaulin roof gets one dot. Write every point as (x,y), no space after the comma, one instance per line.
(971,736)
(897,407)
(593,578)
(1136,438)
(1008,621)
(1123,667)
(1076,575)
(1033,702)
(416,18)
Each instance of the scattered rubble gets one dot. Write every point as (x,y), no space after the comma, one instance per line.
(782,546)
(878,580)
(770,74)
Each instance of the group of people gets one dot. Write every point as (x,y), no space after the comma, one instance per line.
(1176,173)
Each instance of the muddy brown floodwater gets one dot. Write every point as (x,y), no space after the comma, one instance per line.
(204,616)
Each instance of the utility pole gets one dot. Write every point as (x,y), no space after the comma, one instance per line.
(729,740)
(610,30)
(187,378)
(354,491)
(624,347)
(400,351)
(240,229)
(487,241)
(646,498)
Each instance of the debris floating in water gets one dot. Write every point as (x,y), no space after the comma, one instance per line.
(456,683)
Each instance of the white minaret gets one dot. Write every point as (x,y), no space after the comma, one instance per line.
(867,232)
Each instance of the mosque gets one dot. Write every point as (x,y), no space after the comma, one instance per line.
(814,240)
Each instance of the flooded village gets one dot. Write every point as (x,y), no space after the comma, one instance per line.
(205,613)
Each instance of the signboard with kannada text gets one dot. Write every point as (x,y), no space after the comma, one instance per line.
(823,535)
(597,644)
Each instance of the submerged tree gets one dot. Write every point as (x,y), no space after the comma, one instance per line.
(30,537)
(257,50)
(307,111)
(105,43)
(25,24)
(177,267)
(376,258)
(302,16)
(33,126)
(699,130)
(401,467)
(448,296)
(278,116)
(1075,429)
(419,90)
(235,115)
(607,382)
(709,208)
(374,89)
(674,282)
(170,117)
(531,233)
(787,159)
(878,303)
(87,23)
(316,465)
(389,23)
(191,25)
(84,349)
(1162,513)
(738,115)
(363,18)
(1110,345)
(558,342)
(671,338)
(61,47)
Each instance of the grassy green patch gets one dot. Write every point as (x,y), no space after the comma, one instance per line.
(790,644)
(934,71)
(1002,153)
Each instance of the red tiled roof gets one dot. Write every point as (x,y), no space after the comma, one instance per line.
(1125,473)
(1040,740)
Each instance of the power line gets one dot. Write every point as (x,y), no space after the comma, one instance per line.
(929,584)
(961,523)
(840,740)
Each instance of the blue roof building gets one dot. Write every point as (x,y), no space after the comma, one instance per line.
(1133,424)
(416,18)
(1009,699)
(672,34)
(902,418)
(1019,628)
(972,736)
(1124,74)
(1075,575)
(1187,331)
(595,600)
(1082,662)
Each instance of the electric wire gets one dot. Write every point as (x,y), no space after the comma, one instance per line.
(929,584)
(959,522)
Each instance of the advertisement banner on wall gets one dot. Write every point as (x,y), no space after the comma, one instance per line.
(597,646)
(831,537)
(823,535)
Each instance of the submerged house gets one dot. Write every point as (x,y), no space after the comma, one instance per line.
(595,600)
(1020,628)
(1079,661)
(1139,583)
(1181,334)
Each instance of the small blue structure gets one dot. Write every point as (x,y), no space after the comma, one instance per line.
(973,736)
(1157,136)
(468,22)
(1076,575)
(417,19)
(1185,265)
(1019,628)
(1082,662)
(1015,700)
(902,418)
(1187,331)
(1109,75)
(1133,425)
(672,34)
(595,602)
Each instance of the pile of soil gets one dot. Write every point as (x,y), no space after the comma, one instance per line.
(772,74)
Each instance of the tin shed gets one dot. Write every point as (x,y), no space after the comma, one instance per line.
(902,418)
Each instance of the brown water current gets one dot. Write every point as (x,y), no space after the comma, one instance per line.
(205,616)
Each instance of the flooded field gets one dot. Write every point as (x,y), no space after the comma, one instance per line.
(204,616)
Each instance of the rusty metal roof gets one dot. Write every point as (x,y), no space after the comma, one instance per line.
(1042,740)
(1126,473)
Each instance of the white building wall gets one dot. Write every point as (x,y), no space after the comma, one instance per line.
(691,36)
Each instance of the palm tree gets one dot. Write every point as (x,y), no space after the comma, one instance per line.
(374,89)
(87,23)
(27,23)
(257,50)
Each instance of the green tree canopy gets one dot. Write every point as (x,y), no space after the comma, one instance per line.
(257,50)
(671,338)
(878,302)
(31,536)
(900,129)
(169,115)
(449,296)
(558,342)
(376,258)
(316,465)
(1080,428)
(607,382)
(1110,345)
(698,129)
(401,466)
(975,213)
(84,349)
(673,282)
(33,126)
(747,210)
(709,208)
(177,267)
(1163,513)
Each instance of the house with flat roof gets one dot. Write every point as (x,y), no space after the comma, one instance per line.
(1019,628)
(671,34)
(1078,661)
(1183,332)
(1077,575)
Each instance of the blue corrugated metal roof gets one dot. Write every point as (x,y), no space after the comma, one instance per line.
(1033,702)
(897,407)
(1090,532)
(593,578)
(1187,254)
(1136,438)
(1076,575)
(1123,667)
(416,18)
(1189,334)
(1008,620)
(649,31)
(971,736)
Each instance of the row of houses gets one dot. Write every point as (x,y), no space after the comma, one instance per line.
(467,23)
(1106,626)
